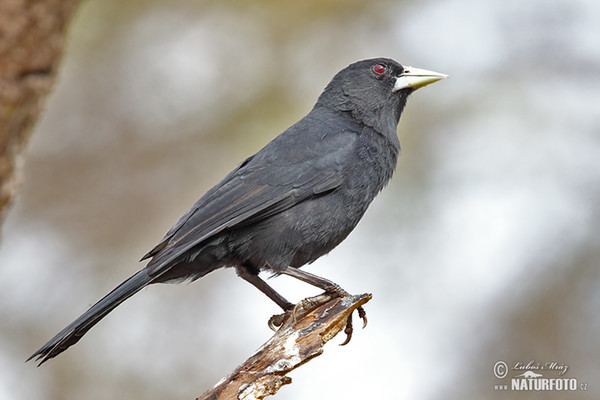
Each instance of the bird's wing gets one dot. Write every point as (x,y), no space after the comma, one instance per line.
(257,189)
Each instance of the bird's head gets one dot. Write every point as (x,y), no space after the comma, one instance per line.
(374,91)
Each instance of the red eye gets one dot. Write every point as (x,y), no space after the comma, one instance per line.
(379,69)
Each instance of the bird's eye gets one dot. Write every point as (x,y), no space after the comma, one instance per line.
(379,69)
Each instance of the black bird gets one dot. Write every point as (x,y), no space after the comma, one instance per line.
(290,203)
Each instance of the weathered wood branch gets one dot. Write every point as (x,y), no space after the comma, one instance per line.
(294,344)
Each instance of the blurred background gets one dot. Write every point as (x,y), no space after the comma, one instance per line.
(484,247)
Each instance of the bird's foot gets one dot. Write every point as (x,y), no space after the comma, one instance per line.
(310,303)
(296,311)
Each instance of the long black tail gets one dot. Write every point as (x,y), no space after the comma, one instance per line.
(76,329)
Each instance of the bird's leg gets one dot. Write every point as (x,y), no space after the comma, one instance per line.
(315,280)
(276,320)
(332,290)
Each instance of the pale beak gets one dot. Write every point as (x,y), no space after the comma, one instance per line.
(416,78)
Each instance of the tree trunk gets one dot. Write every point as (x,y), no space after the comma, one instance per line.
(32,38)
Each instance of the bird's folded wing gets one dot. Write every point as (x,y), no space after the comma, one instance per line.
(247,195)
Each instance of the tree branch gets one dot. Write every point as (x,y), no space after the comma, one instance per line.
(294,344)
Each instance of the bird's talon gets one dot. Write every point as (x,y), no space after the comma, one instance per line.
(362,315)
(348,330)
(298,308)
(276,321)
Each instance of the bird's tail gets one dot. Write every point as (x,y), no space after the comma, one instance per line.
(76,329)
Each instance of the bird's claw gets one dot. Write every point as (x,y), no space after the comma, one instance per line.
(349,328)
(362,315)
(276,321)
(310,303)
